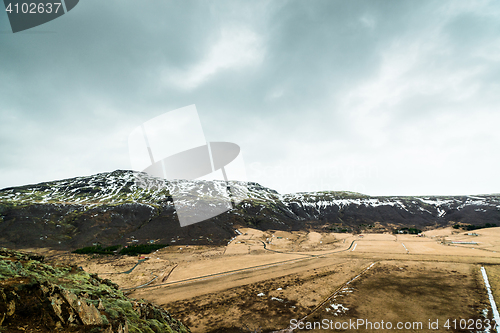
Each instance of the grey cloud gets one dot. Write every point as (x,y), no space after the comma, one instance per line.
(111,65)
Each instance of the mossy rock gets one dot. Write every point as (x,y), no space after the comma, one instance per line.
(37,289)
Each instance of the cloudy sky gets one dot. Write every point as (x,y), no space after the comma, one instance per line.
(378,97)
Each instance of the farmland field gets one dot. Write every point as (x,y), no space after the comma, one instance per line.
(284,281)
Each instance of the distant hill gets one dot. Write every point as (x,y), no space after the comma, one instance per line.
(109,208)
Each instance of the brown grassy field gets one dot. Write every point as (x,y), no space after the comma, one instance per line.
(267,281)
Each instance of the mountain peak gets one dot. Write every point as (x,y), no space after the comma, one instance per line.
(113,208)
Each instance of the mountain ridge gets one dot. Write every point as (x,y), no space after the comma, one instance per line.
(111,208)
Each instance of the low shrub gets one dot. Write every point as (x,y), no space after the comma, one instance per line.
(133,250)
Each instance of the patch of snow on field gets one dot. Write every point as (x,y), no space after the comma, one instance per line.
(338,308)
(405,247)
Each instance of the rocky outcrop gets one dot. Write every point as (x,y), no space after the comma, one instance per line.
(40,298)
(60,307)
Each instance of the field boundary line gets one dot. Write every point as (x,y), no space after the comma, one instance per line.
(213,275)
(220,274)
(290,330)
(168,275)
(338,290)
(496,316)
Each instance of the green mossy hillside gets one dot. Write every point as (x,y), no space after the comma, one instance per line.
(36,296)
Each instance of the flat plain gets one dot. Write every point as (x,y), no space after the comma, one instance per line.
(265,281)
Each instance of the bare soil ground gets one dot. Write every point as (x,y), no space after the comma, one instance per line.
(263,280)
(410,293)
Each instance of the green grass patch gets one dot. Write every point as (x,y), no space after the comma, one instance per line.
(470,227)
(133,250)
(411,231)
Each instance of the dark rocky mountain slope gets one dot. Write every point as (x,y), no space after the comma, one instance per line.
(110,208)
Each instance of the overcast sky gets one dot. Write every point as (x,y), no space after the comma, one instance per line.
(378,97)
